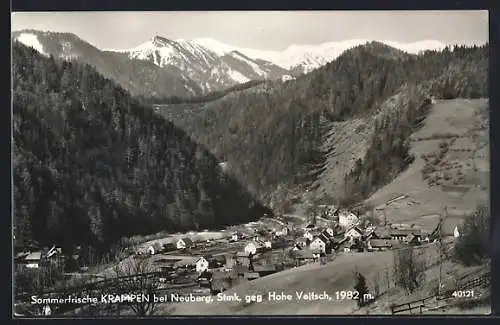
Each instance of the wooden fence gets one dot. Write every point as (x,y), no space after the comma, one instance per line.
(414,307)
(419,306)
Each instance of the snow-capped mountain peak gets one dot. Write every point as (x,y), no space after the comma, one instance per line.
(305,57)
(217,65)
(213,64)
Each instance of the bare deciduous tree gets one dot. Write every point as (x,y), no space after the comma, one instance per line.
(130,274)
(409,269)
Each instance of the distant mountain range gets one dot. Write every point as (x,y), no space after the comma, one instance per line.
(305,58)
(164,67)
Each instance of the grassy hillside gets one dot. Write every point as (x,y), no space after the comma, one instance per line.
(338,275)
(91,164)
(451,167)
(324,124)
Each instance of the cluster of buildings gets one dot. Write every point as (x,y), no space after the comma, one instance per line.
(349,235)
(341,232)
(34,259)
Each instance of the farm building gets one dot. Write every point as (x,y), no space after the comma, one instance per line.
(251,248)
(268,244)
(347,219)
(308,235)
(329,232)
(205,276)
(168,247)
(354,233)
(304,255)
(401,234)
(184,243)
(218,260)
(236,236)
(201,265)
(349,246)
(381,233)
(379,244)
(150,250)
(242,258)
(205,279)
(301,242)
(318,244)
(33,260)
(283,232)
(412,240)
(310,226)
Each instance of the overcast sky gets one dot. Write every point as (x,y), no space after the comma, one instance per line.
(262,30)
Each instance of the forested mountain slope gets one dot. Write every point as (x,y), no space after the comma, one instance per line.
(136,76)
(92,165)
(299,132)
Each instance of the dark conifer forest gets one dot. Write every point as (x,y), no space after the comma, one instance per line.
(276,137)
(92,165)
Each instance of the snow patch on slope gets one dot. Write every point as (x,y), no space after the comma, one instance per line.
(237,76)
(252,64)
(31,40)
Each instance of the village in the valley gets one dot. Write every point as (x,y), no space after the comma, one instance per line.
(200,265)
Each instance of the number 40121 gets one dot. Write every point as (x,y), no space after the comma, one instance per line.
(463,294)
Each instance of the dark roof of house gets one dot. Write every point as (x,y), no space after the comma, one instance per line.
(219,257)
(322,238)
(357,230)
(21,256)
(404,232)
(348,244)
(187,240)
(310,226)
(382,233)
(380,243)
(325,233)
(264,268)
(339,239)
(205,275)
